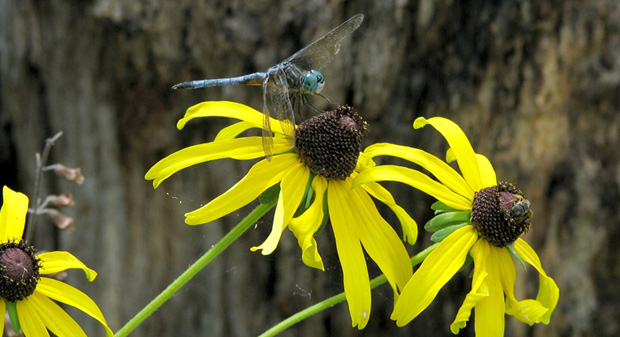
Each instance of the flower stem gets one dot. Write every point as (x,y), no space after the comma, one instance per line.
(330,302)
(197,266)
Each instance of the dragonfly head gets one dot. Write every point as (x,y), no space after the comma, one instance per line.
(313,82)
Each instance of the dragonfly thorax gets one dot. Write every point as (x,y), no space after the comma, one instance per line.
(313,82)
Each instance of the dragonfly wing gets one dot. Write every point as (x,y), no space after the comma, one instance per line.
(267,133)
(281,102)
(322,51)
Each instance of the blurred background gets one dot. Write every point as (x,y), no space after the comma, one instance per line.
(534,84)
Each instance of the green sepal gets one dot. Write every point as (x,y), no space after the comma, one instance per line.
(443,233)
(446,219)
(325,214)
(440,207)
(11,308)
(307,199)
(270,195)
(514,254)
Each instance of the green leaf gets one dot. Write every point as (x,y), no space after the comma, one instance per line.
(446,219)
(270,195)
(443,233)
(11,307)
(440,207)
(515,255)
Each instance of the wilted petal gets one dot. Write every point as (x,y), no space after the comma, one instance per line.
(13,214)
(436,270)
(305,225)
(548,291)
(293,187)
(261,176)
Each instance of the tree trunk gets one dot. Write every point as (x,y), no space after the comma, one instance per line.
(533,84)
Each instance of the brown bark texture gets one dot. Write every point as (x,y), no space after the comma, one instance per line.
(534,84)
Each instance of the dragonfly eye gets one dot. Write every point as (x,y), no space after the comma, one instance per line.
(313,82)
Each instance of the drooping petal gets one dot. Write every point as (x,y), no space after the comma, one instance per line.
(548,291)
(479,288)
(409,226)
(487,173)
(461,146)
(238,148)
(490,315)
(305,225)
(32,325)
(62,292)
(261,176)
(354,268)
(54,262)
(3,312)
(232,131)
(436,270)
(293,187)
(416,179)
(230,110)
(13,214)
(55,318)
(437,167)
(378,238)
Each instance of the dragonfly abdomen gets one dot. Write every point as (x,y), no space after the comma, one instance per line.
(250,79)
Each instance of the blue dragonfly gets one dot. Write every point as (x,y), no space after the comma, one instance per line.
(294,78)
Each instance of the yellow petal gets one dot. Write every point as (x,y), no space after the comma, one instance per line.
(437,167)
(354,268)
(13,214)
(305,225)
(230,110)
(548,291)
(67,294)
(232,131)
(490,317)
(415,179)
(378,238)
(479,288)
(29,320)
(436,270)
(293,187)
(2,311)
(54,317)
(54,262)
(487,173)
(261,176)
(461,146)
(238,148)
(409,226)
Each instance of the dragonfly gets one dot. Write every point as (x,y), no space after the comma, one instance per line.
(294,78)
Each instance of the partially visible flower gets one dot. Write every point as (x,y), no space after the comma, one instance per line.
(26,295)
(313,183)
(477,217)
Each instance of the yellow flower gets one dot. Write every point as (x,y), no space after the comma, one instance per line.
(27,296)
(478,217)
(305,194)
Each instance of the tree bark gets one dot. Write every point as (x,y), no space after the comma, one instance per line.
(533,84)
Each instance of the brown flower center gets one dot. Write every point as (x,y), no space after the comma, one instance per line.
(330,143)
(501,214)
(19,271)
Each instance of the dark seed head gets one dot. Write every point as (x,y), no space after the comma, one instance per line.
(501,214)
(331,142)
(19,271)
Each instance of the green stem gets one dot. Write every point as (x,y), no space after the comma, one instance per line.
(330,302)
(204,260)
